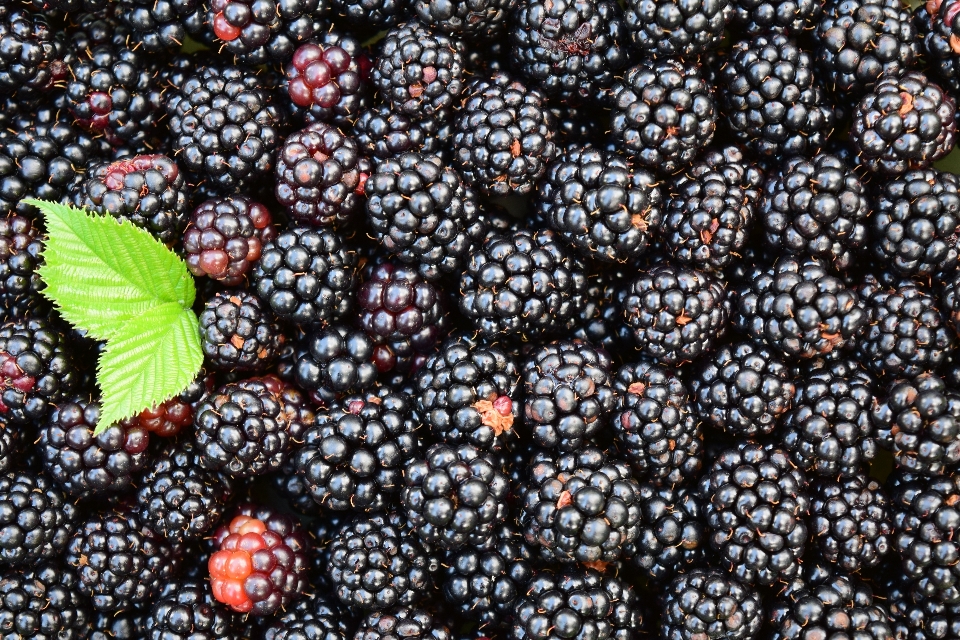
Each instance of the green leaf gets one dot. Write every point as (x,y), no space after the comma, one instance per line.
(149,360)
(102,273)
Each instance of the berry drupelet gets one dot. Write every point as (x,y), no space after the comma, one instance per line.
(237,333)
(666,28)
(711,605)
(850,520)
(325,80)
(225,237)
(671,539)
(43,603)
(259,32)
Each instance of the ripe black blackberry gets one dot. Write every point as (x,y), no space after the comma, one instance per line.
(917,617)
(818,207)
(119,562)
(664,28)
(936,23)
(421,212)
(37,369)
(710,208)
(775,16)
(419,71)
(919,420)
(829,605)
(601,321)
(676,313)
(306,276)
(321,176)
(313,618)
(263,32)
(600,204)
(522,284)
(36,519)
(43,603)
(383,133)
(248,428)
(915,222)
(926,522)
(906,334)
(375,565)
(32,57)
(568,394)
(851,522)
(225,237)
(408,623)
(482,19)
(469,393)
(580,507)
(147,190)
(859,40)
(20,247)
(14,444)
(570,50)
(454,496)
(326,79)
(126,625)
(654,424)
(672,538)
(575,604)
(663,114)
(237,333)
(226,126)
(797,308)
(187,611)
(378,14)
(904,122)
(710,605)
(162,26)
(353,457)
(773,101)
(113,92)
(755,507)
(504,136)
(84,464)
(743,389)
(337,360)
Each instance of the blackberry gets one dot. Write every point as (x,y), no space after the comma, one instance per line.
(188,612)
(32,58)
(710,209)
(225,237)
(84,464)
(13,444)
(20,259)
(486,584)
(850,521)
(773,101)
(247,428)
(859,40)
(797,308)
(313,618)
(571,50)
(403,623)
(775,16)
(354,455)
(177,498)
(419,72)
(915,222)
(816,206)
(672,539)
(504,136)
(904,122)
(383,134)
(43,603)
(522,284)
(919,420)
(580,507)
(654,424)
(36,369)
(168,418)
(935,22)
(576,604)
(906,334)
(601,323)
(117,626)
(469,393)
(483,19)
(454,496)
(260,561)
(35,519)
(113,92)
(375,566)
(321,177)
(225,126)
(162,26)
(665,28)
(306,276)
(568,394)
(97,24)
(664,113)
(327,80)
(755,507)
(917,617)
(710,605)
(119,562)
(338,360)
(600,204)
(237,333)
(264,32)
(828,605)
(421,212)
(146,190)
(743,389)
(675,313)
